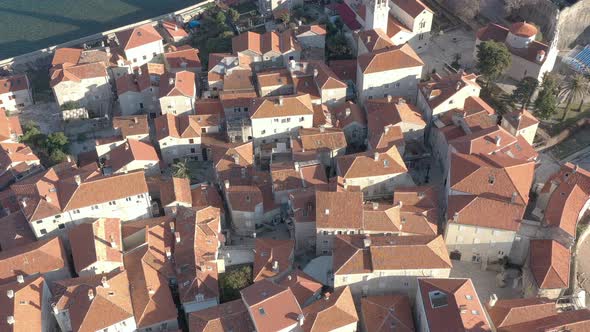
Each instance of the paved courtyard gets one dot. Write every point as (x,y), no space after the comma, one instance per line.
(485,282)
(46,115)
(443,49)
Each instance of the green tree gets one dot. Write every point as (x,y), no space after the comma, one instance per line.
(492,60)
(573,89)
(32,135)
(181,169)
(220,17)
(234,16)
(286,17)
(524,91)
(56,141)
(57,156)
(232,281)
(546,102)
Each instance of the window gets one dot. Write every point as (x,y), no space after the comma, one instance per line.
(58,216)
(422,24)
(112,203)
(134,60)
(61,226)
(145,57)
(469,297)
(39,221)
(263,132)
(397,85)
(43,231)
(301,119)
(193,150)
(191,141)
(421,36)
(128,199)
(154,54)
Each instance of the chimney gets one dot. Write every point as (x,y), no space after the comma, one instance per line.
(327,212)
(347,112)
(281,100)
(401,101)
(226,183)
(366,241)
(48,198)
(322,129)
(113,242)
(10,320)
(327,296)
(376,156)
(300,319)
(177,236)
(296,166)
(171,81)
(368,39)
(104,282)
(90,294)
(456,217)
(275,266)
(135,119)
(315,72)
(493,300)
(540,56)
(10,293)
(168,253)
(289,277)
(389,98)
(236,158)
(292,64)
(386,129)
(107,50)
(171,226)
(126,146)
(20,278)
(513,198)
(458,86)
(69,159)
(78,179)
(107,156)
(375,205)
(175,27)
(498,140)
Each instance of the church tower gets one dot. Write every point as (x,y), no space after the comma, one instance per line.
(377,15)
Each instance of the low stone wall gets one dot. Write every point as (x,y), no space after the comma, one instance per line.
(78,113)
(40,58)
(579,125)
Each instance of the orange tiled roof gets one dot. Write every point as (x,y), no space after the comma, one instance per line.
(564,207)
(272,307)
(131,125)
(13,83)
(418,252)
(182,126)
(412,7)
(331,213)
(550,264)
(176,190)
(419,209)
(459,309)
(173,29)
(439,89)
(387,313)
(183,57)
(282,106)
(302,285)
(15,231)
(26,305)
(336,310)
(509,312)
(66,55)
(229,316)
(9,126)
(31,259)
(96,242)
(367,164)
(178,84)
(375,40)
(392,58)
(108,305)
(523,29)
(483,211)
(269,252)
(521,119)
(132,150)
(138,36)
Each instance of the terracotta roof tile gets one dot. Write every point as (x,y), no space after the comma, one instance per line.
(183,57)
(182,126)
(176,190)
(229,316)
(277,77)
(482,211)
(523,29)
(269,252)
(454,296)
(181,83)
(499,34)
(132,150)
(575,321)
(331,213)
(31,259)
(131,125)
(419,209)
(371,163)
(380,217)
(387,313)
(350,256)
(315,28)
(272,307)
(397,57)
(335,311)
(348,113)
(311,139)
(292,176)
(13,83)
(97,242)
(15,231)
(565,206)
(151,298)
(282,106)
(9,127)
(302,285)
(375,40)
(412,7)
(26,305)
(521,119)
(66,55)
(509,312)
(109,305)
(440,89)
(138,36)
(345,70)
(550,264)
(173,29)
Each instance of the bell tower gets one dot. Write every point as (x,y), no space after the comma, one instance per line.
(377,15)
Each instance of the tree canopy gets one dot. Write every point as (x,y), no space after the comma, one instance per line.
(547,101)
(524,91)
(493,59)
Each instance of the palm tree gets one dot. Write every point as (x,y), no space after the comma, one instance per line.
(573,89)
(181,170)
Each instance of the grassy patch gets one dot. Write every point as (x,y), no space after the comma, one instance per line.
(233,280)
(572,117)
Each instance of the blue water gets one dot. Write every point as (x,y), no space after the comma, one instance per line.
(29,25)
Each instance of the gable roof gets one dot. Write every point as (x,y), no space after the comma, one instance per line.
(176,190)
(330,212)
(549,264)
(138,36)
(77,73)
(273,107)
(26,305)
(499,34)
(183,57)
(419,209)
(132,150)
(31,259)
(131,125)
(181,126)
(302,285)
(483,211)
(452,305)
(269,252)
(387,313)
(565,206)
(441,88)
(386,252)
(370,163)
(15,231)
(9,127)
(110,303)
(229,316)
(509,312)
(13,83)
(375,39)
(392,58)
(177,84)
(334,311)
(98,241)
(412,7)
